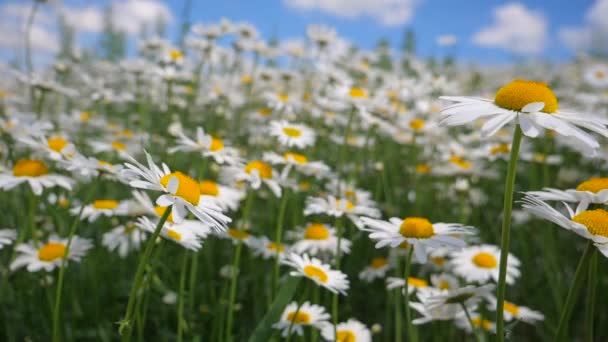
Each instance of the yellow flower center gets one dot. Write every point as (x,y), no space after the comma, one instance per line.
(57,144)
(265,111)
(539,157)
(297,157)
(500,149)
(417,124)
(30,168)
(517,94)
(596,221)
(64,203)
(404,245)
(216,144)
(484,260)
(298,317)
(417,282)
(187,188)
(160,211)
(85,116)
(439,261)
(423,169)
(118,146)
(264,169)
(316,272)
(460,162)
(416,227)
(237,234)
(304,186)
(176,54)
(129,227)
(600,74)
(378,263)
(481,323)
(246,79)
(511,308)
(127,133)
(209,188)
(348,205)
(357,93)
(292,132)
(105,204)
(316,231)
(174,235)
(51,251)
(273,247)
(283,97)
(594,185)
(104,163)
(345,336)
(444,285)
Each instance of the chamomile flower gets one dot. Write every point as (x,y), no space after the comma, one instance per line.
(188,233)
(102,207)
(268,249)
(376,269)
(256,173)
(517,312)
(36,174)
(322,274)
(55,147)
(225,197)
(298,317)
(238,236)
(318,238)
(179,190)
(349,331)
(480,264)
(282,102)
(206,144)
(339,207)
(478,322)
(123,239)
(593,190)
(119,147)
(7,236)
(299,162)
(50,255)
(418,232)
(533,106)
(89,167)
(444,281)
(438,304)
(597,76)
(292,134)
(590,224)
(413,283)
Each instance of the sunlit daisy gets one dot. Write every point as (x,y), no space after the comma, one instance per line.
(206,144)
(123,239)
(35,173)
(268,249)
(597,75)
(102,207)
(256,173)
(223,196)
(322,274)
(478,322)
(299,316)
(376,269)
(534,107)
(419,232)
(292,134)
(55,147)
(517,312)
(180,191)
(318,238)
(49,255)
(438,304)
(339,207)
(349,331)
(444,281)
(413,283)
(299,162)
(593,190)
(480,264)
(188,233)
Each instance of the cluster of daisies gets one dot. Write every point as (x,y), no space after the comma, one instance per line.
(303,167)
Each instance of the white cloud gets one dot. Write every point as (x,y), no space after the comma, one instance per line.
(89,19)
(516,29)
(13,18)
(130,15)
(387,12)
(593,34)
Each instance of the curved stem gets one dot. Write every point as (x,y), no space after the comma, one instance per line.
(411,332)
(506,233)
(125,327)
(180,307)
(60,277)
(591,289)
(473,328)
(573,292)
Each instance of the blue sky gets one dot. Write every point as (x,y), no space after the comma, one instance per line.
(488,31)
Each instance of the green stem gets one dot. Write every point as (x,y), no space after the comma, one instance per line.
(181,297)
(279,233)
(473,328)
(506,233)
(411,333)
(302,299)
(124,328)
(573,292)
(60,277)
(591,289)
(192,278)
(398,306)
(334,299)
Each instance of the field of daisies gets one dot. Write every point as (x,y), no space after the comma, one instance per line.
(236,190)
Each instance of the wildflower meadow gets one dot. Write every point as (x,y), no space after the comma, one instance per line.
(227,185)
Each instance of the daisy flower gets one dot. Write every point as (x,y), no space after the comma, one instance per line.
(89,167)
(418,232)
(318,238)
(376,269)
(102,207)
(349,331)
(339,207)
(480,264)
(444,281)
(313,269)
(207,145)
(413,283)
(7,236)
(597,75)
(299,162)
(56,147)
(268,249)
(281,102)
(291,134)
(225,197)
(187,233)
(590,224)
(517,312)
(593,190)
(256,173)
(50,255)
(36,174)
(306,315)
(236,236)
(533,106)
(121,148)
(179,190)
(478,322)
(123,239)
